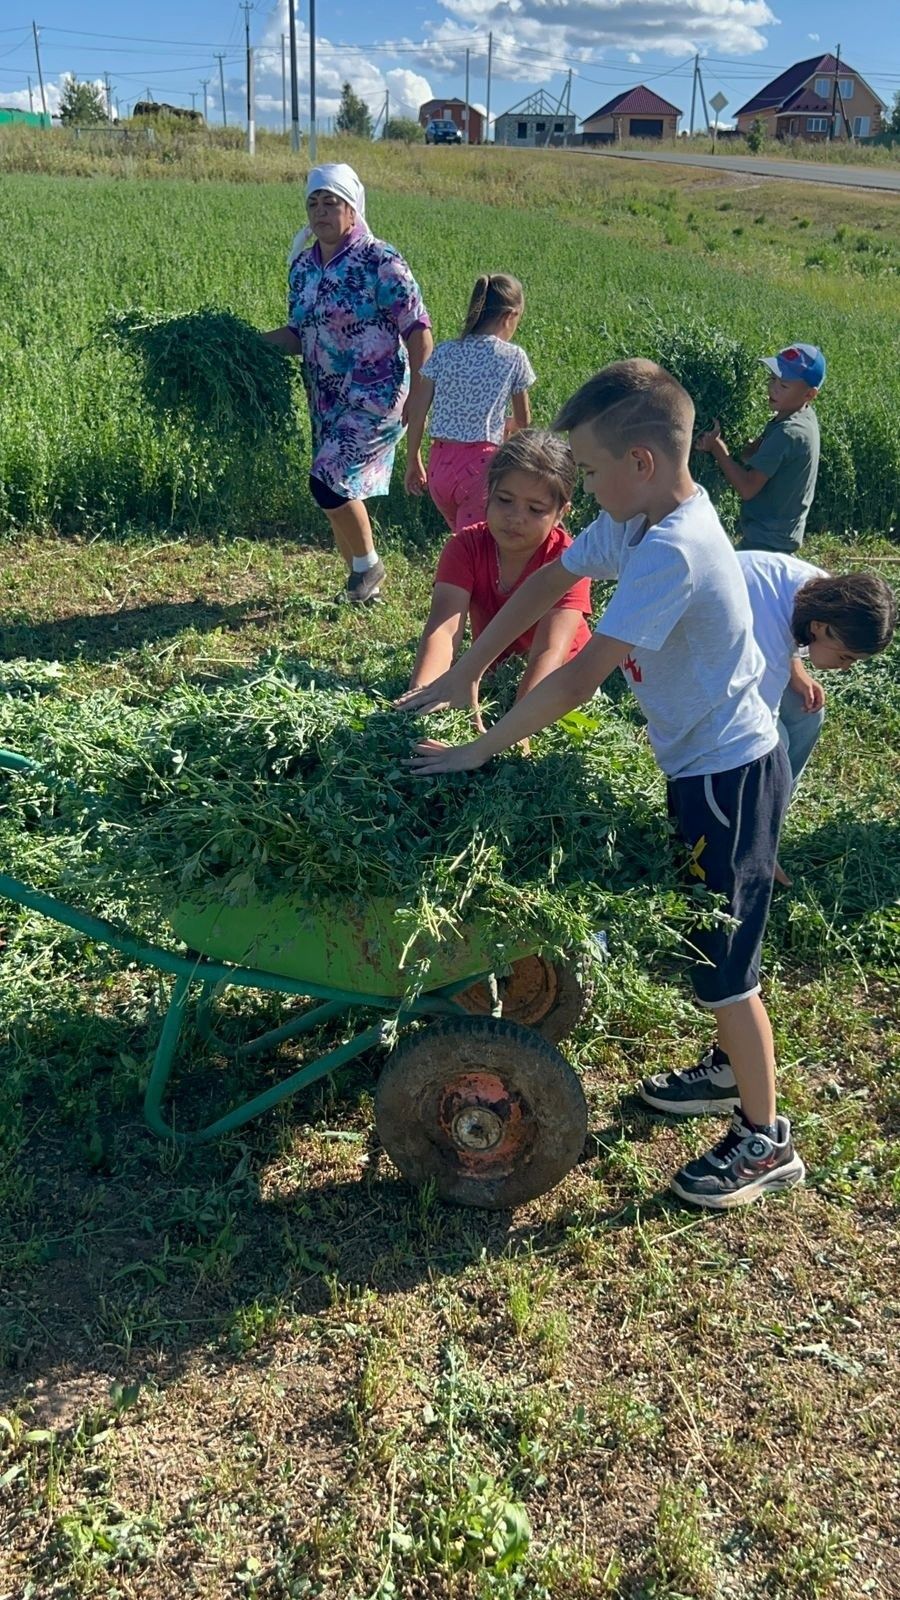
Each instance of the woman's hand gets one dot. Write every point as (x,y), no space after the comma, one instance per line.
(415,481)
(454,690)
(431,757)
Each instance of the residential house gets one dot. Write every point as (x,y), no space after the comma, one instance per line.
(456,111)
(634,114)
(537,120)
(815,99)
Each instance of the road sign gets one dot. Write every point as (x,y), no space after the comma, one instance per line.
(719,101)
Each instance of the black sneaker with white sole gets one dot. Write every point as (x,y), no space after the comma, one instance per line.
(742,1167)
(363,587)
(704,1090)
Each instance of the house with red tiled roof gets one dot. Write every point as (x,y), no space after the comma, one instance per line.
(813,100)
(633,114)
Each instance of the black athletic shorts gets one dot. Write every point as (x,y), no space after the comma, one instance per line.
(325,497)
(731,823)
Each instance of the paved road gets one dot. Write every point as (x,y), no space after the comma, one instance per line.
(805,171)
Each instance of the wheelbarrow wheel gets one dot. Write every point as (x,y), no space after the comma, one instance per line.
(550,996)
(488,1111)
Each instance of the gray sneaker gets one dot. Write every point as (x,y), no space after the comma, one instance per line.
(364,587)
(708,1089)
(741,1167)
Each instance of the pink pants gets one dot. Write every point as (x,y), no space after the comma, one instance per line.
(457,481)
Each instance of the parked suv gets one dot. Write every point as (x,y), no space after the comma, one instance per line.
(441,130)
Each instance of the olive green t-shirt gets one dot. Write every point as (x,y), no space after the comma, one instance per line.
(788,454)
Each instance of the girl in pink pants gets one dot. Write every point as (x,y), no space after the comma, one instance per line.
(470,382)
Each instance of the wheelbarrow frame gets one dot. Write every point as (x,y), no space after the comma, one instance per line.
(191,971)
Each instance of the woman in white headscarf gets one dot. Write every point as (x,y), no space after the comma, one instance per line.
(354,311)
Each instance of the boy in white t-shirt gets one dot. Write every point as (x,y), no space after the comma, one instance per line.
(679,626)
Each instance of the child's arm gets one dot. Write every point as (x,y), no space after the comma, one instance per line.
(810,691)
(441,637)
(746,480)
(418,407)
(562,691)
(552,643)
(459,687)
(521,414)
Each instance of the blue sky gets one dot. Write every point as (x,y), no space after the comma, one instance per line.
(412,51)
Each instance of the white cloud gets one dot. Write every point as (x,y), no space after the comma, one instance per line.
(528,48)
(335,66)
(408,91)
(814,36)
(634,58)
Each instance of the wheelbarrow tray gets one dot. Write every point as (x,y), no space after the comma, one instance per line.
(362,946)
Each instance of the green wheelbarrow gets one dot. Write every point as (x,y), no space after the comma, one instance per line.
(476,1098)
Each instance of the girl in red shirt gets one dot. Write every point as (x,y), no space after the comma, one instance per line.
(530,485)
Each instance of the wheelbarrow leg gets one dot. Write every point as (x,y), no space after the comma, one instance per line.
(164,1059)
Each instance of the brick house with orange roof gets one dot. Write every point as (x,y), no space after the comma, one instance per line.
(634,114)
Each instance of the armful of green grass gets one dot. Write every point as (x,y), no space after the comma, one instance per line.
(210,369)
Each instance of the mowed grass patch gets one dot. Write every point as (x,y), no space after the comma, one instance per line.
(266,1368)
(608,269)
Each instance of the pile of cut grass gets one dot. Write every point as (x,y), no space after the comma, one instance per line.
(277,784)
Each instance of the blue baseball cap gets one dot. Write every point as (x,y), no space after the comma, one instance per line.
(803,361)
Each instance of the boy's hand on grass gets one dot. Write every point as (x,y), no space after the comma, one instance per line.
(707,441)
(415,481)
(431,757)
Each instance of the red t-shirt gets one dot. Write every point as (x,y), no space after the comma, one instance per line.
(470,560)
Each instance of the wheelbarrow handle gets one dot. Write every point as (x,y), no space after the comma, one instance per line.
(12,761)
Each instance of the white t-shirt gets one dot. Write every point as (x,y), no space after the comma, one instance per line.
(772,582)
(473,379)
(681,603)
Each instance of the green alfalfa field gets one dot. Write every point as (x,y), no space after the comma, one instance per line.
(267,1368)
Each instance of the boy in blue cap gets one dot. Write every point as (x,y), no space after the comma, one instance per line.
(776,475)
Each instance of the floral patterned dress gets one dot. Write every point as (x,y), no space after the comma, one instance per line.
(351,318)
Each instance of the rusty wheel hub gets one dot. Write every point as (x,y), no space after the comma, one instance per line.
(487,1126)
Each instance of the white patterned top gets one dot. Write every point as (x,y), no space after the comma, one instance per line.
(473,379)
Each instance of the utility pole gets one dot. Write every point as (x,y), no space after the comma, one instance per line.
(466,111)
(204,84)
(295,104)
(37,56)
(251,109)
(193,95)
(246,7)
(220,59)
(108,97)
(487,120)
(703,97)
(694,92)
(387,111)
(834,93)
(283,86)
(30,96)
(312,81)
